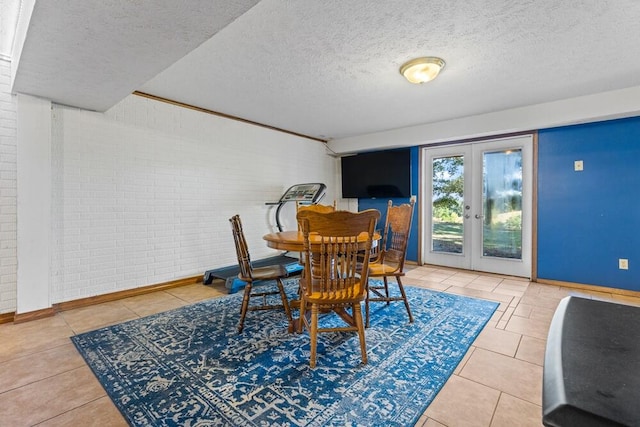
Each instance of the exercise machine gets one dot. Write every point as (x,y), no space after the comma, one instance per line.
(310,193)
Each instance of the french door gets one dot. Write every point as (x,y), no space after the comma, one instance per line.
(478,206)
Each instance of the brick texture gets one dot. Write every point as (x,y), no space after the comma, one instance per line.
(8,255)
(142,193)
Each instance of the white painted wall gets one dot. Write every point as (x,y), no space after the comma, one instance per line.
(8,189)
(21,27)
(34,203)
(9,12)
(142,194)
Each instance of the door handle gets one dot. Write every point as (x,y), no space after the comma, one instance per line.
(479,216)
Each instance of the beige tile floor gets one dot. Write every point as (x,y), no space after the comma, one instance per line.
(45,382)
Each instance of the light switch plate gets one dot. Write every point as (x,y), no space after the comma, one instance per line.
(578,165)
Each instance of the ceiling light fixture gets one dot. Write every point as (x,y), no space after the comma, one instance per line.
(422,70)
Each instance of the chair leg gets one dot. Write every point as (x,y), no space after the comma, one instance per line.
(366,306)
(404,298)
(285,301)
(357,316)
(313,334)
(301,314)
(245,306)
(386,289)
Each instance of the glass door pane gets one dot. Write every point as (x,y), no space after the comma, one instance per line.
(502,204)
(478,205)
(447,209)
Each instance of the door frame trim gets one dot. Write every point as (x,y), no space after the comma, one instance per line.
(534,189)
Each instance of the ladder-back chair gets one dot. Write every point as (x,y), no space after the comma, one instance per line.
(251,275)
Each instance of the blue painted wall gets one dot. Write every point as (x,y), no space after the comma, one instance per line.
(588,220)
(381,205)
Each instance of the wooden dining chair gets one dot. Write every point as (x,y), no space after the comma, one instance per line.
(333,280)
(390,259)
(257,276)
(315,208)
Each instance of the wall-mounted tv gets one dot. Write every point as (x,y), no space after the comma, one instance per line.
(378,174)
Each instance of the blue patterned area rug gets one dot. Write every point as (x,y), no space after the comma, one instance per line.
(189,367)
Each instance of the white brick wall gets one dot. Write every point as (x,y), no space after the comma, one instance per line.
(8,257)
(142,194)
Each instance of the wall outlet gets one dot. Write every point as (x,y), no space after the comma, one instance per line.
(578,165)
(623,264)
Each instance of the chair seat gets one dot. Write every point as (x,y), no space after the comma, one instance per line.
(358,293)
(269,272)
(382,269)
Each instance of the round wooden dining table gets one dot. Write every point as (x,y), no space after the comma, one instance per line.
(293,241)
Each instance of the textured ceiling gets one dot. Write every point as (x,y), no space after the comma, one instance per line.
(329,69)
(93,53)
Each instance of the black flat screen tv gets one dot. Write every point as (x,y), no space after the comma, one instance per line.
(379,174)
